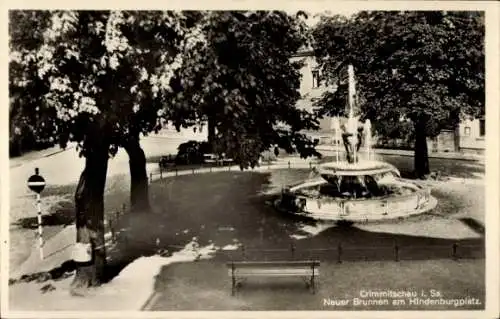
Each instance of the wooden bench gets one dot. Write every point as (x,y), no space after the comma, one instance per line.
(213,158)
(241,270)
(210,158)
(167,161)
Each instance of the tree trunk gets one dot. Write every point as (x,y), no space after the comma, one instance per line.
(456,137)
(421,151)
(211,131)
(89,203)
(139,187)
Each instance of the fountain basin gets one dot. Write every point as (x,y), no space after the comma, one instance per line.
(401,198)
(358,169)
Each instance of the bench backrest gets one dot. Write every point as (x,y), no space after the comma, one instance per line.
(274,264)
(273,268)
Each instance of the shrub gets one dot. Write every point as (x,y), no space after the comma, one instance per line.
(268,156)
(192,152)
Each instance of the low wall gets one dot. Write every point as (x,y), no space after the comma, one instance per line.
(371,209)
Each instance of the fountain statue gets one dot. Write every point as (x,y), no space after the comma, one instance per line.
(356,189)
(351,147)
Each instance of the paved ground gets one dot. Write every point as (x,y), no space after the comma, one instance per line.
(35,155)
(209,287)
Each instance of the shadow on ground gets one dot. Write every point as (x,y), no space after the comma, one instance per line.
(473,224)
(63,212)
(62,215)
(225,207)
(59,273)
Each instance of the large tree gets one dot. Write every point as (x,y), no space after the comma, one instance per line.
(105,77)
(241,81)
(423,67)
(29,122)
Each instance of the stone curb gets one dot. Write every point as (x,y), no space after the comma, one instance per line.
(262,168)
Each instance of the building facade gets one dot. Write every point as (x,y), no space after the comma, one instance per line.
(311,89)
(472,135)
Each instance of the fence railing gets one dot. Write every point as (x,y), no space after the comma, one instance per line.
(191,170)
(111,222)
(341,252)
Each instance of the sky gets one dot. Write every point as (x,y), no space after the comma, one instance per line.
(314,14)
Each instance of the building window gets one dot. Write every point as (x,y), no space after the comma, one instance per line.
(482,128)
(316,79)
(467,131)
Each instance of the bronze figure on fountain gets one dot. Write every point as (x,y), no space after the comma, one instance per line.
(352,151)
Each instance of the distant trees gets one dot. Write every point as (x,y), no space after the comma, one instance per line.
(423,67)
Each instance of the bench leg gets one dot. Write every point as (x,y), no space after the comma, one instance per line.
(233,289)
(313,285)
(308,282)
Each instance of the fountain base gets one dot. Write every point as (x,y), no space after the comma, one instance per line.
(361,192)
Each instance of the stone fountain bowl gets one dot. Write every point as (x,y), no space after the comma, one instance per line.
(402,198)
(356,169)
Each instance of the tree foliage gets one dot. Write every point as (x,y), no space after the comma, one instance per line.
(30,124)
(241,79)
(113,68)
(100,79)
(426,67)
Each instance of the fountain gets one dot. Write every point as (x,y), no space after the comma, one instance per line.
(355,189)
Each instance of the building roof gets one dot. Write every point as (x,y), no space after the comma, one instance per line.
(306,52)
